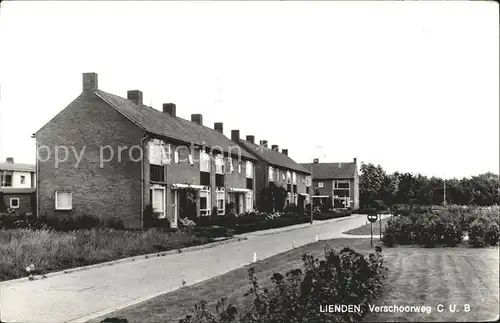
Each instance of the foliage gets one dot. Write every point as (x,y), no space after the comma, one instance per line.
(272,198)
(344,277)
(51,250)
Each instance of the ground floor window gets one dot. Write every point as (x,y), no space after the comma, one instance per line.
(63,200)
(158,200)
(249,201)
(205,204)
(221,203)
(14,203)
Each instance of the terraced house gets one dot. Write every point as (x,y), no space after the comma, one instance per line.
(17,186)
(277,168)
(335,183)
(123,156)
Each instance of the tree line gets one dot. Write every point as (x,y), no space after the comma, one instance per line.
(378,187)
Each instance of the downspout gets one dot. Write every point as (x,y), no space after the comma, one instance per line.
(37,179)
(142,179)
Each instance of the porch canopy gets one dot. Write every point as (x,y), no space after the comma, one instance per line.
(303,194)
(196,187)
(238,190)
(321,196)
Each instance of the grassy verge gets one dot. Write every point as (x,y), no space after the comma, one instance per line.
(365,229)
(417,276)
(53,250)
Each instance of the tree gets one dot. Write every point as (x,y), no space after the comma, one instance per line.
(371,182)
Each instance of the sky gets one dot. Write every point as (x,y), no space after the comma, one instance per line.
(412,86)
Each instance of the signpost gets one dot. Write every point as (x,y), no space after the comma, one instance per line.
(372,217)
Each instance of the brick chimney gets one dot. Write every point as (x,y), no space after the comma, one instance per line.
(197,118)
(275,147)
(89,82)
(135,95)
(355,160)
(219,127)
(10,160)
(263,143)
(235,135)
(316,161)
(251,139)
(170,108)
(285,152)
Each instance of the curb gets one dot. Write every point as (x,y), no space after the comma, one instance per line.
(128,259)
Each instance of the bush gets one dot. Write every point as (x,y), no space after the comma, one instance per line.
(492,234)
(340,278)
(428,229)
(477,233)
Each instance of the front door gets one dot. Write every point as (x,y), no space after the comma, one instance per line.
(300,203)
(186,205)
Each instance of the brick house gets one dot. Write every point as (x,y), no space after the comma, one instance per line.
(122,156)
(338,182)
(276,167)
(17,186)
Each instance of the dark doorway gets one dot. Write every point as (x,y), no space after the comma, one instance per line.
(187,205)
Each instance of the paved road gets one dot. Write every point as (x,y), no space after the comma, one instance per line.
(82,295)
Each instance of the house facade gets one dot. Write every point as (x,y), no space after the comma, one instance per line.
(123,157)
(335,182)
(17,186)
(276,168)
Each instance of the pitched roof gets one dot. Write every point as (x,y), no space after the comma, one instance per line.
(332,170)
(162,124)
(17,167)
(273,157)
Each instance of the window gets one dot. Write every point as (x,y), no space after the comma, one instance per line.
(294,188)
(190,159)
(341,184)
(176,156)
(63,200)
(158,200)
(220,196)
(288,177)
(271,174)
(308,181)
(157,173)
(249,201)
(288,187)
(205,202)
(219,180)
(307,190)
(159,152)
(14,203)
(320,184)
(204,162)
(249,169)
(219,164)
(250,183)
(204,178)
(23,179)
(294,177)
(231,166)
(6,179)
(283,175)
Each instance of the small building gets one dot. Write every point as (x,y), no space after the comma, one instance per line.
(17,186)
(335,183)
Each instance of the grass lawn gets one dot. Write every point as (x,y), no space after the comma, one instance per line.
(365,229)
(57,250)
(417,276)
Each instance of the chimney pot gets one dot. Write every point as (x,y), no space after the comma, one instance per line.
(135,96)
(235,135)
(219,127)
(10,160)
(355,160)
(170,108)
(197,118)
(285,152)
(263,143)
(316,161)
(275,147)
(251,139)
(89,82)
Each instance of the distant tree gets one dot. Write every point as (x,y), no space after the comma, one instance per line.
(371,182)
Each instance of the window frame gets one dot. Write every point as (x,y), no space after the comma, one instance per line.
(70,201)
(208,208)
(14,199)
(249,197)
(164,210)
(249,165)
(270,174)
(220,192)
(219,164)
(205,159)
(321,185)
(22,179)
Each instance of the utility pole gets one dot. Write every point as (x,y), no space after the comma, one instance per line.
(444,181)
(311,192)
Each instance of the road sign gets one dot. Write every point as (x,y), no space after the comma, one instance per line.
(372,217)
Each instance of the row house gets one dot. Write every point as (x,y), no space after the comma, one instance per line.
(338,182)
(17,186)
(123,156)
(278,168)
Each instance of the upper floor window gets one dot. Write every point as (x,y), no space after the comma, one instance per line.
(294,177)
(308,181)
(271,174)
(219,164)
(231,165)
(341,184)
(204,162)
(63,200)
(249,169)
(159,152)
(157,173)
(288,177)
(23,179)
(6,179)
(320,184)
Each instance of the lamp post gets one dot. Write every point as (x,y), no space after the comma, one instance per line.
(311,192)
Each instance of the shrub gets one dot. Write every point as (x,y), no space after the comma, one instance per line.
(492,234)
(477,233)
(428,229)
(340,278)
(451,229)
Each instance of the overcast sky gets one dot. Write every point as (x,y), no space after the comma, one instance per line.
(413,86)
